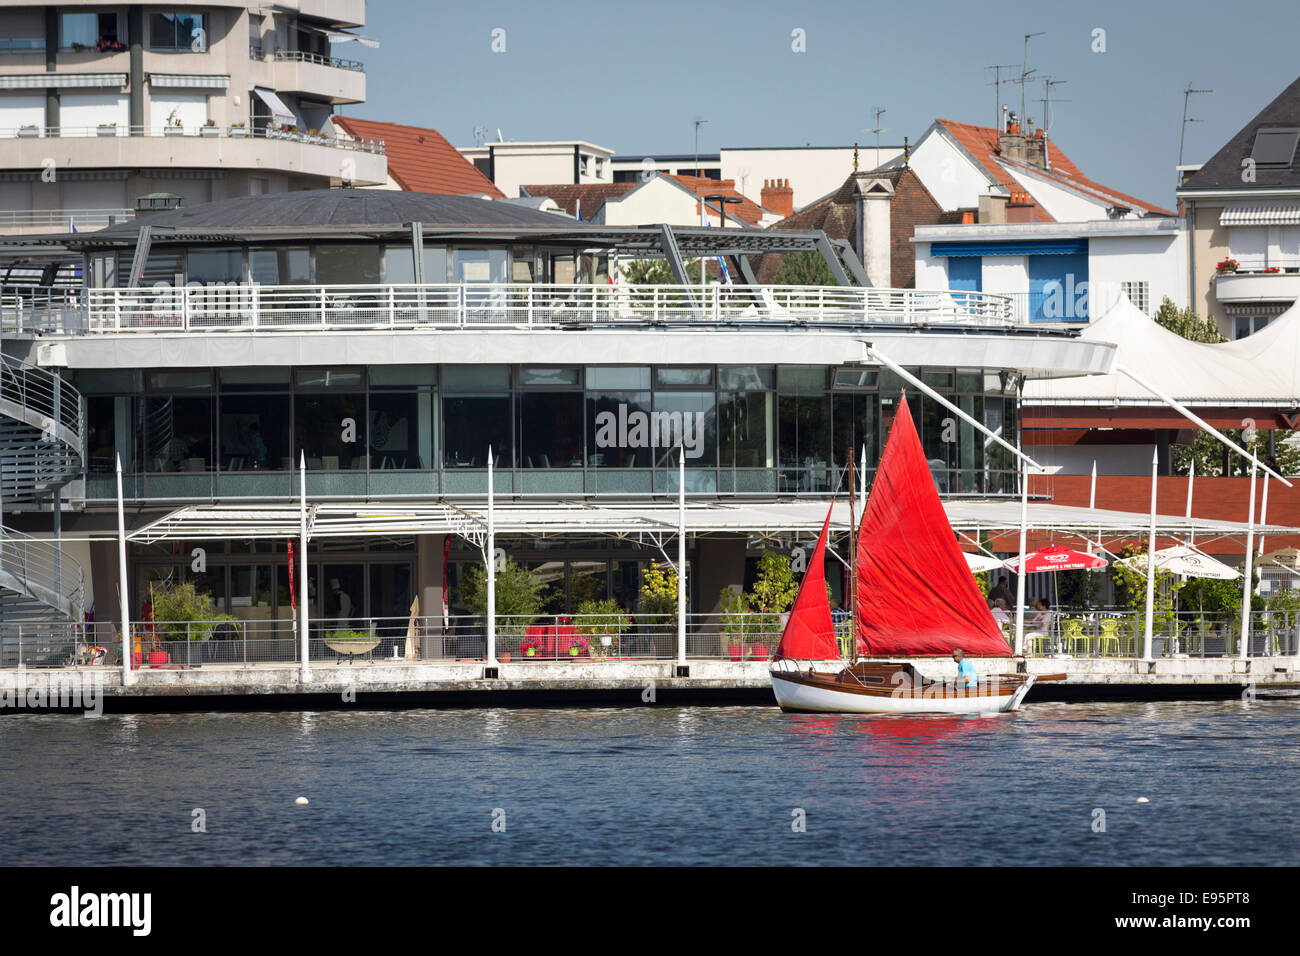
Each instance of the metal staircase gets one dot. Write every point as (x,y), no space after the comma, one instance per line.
(42,421)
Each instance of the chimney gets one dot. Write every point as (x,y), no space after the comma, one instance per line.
(778,197)
(993,208)
(874,200)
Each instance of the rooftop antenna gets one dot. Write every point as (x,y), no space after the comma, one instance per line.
(998,108)
(743,175)
(699,121)
(1024,75)
(480,135)
(878,129)
(1182,136)
(500,138)
(1048,83)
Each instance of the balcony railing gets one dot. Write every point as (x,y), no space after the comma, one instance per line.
(253,308)
(62,220)
(375,146)
(300,56)
(1032,307)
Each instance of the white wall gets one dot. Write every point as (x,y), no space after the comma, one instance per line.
(190,108)
(20,110)
(1063,205)
(94,194)
(931,272)
(658,200)
(85,110)
(1160,261)
(953,180)
(1005,274)
(813,172)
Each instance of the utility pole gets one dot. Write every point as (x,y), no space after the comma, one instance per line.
(1182,136)
(997,92)
(1024,75)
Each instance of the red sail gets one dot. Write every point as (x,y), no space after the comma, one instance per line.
(916,593)
(809,635)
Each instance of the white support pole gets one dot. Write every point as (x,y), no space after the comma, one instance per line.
(681,554)
(1147,634)
(1248,580)
(1092,489)
(862,483)
(1020,573)
(1263,515)
(1196,420)
(123,596)
(490,552)
(1191,482)
(304,667)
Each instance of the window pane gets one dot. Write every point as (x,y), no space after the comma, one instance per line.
(435,265)
(396,375)
(470,425)
(81,29)
(745,378)
(216,265)
(618,429)
(618,377)
(347,265)
(328,377)
(393,432)
(255,432)
(550,429)
(178,381)
(689,418)
(745,429)
(399,265)
(548,376)
(175,434)
(331,429)
(254,379)
(287,265)
(800,378)
(463,378)
(684,376)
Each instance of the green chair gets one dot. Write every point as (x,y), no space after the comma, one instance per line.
(1109,636)
(1077,637)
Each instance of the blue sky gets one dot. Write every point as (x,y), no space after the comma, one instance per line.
(633,76)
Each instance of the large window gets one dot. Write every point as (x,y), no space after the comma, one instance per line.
(550,429)
(280,265)
(88,31)
(347,264)
(180,32)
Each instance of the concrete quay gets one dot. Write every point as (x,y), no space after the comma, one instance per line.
(395,684)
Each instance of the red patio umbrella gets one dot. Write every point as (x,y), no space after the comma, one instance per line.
(1056,558)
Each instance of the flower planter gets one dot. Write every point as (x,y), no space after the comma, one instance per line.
(136,660)
(173,130)
(29,132)
(106,130)
(735,652)
(237,132)
(757,652)
(157,658)
(351,648)
(209,131)
(503,658)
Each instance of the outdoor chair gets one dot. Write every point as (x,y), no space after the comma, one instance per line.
(1077,637)
(1109,636)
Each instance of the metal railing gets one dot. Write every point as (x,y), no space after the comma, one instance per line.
(251,308)
(301,56)
(590,639)
(41,399)
(64,219)
(225,132)
(38,569)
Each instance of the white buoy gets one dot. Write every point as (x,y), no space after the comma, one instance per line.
(1140,800)
(301,801)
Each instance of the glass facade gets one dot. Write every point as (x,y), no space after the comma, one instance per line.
(606,430)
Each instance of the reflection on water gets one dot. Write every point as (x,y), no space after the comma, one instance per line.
(656,785)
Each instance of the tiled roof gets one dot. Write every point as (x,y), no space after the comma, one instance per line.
(421,160)
(566,196)
(1224,169)
(748,210)
(982,144)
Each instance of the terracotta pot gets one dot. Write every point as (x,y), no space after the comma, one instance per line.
(757,652)
(157,658)
(735,652)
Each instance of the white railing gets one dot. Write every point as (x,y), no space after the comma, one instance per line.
(224,132)
(62,219)
(41,569)
(278,308)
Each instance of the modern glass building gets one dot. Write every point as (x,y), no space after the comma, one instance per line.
(394,341)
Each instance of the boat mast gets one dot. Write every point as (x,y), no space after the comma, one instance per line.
(853,569)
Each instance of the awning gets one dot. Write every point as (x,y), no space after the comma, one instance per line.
(1014,247)
(337,36)
(469,519)
(1261,214)
(43,81)
(189,81)
(276,105)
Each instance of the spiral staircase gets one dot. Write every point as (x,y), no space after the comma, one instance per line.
(42,421)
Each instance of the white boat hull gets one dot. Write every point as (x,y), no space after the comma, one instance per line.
(793,695)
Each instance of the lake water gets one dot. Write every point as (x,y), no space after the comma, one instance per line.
(656,785)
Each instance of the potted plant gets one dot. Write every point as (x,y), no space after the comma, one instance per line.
(350,643)
(172,125)
(209,129)
(773,592)
(109,45)
(735,608)
(530,646)
(106,129)
(579,647)
(603,623)
(658,606)
(1226,265)
(1270,270)
(28,130)
(183,613)
(518,597)
(239,129)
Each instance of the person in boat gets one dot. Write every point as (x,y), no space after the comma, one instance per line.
(966,676)
(1000,590)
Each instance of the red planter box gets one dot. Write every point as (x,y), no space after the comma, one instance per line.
(757,652)
(157,658)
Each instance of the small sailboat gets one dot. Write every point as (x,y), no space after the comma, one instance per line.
(914,596)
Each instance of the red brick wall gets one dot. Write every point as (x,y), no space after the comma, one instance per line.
(912,206)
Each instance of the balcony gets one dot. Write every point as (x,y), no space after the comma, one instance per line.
(1244,287)
(236,147)
(255,309)
(25,222)
(340,81)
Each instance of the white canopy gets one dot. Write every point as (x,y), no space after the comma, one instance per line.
(1184,561)
(1263,368)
